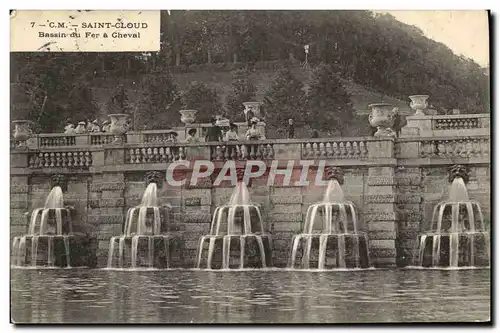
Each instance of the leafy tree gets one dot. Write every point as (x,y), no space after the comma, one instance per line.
(119,102)
(199,96)
(285,99)
(329,106)
(81,104)
(155,109)
(242,90)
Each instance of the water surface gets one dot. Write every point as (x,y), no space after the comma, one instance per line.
(266,296)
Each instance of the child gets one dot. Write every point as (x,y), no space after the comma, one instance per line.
(231,135)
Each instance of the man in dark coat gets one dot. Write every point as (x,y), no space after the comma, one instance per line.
(214,132)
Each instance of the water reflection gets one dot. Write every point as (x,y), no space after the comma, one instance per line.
(185,296)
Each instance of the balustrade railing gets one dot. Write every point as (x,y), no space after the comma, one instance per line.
(242,151)
(455,122)
(455,147)
(163,154)
(65,159)
(103,139)
(56,141)
(335,148)
(157,137)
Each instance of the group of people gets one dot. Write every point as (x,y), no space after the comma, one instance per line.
(86,127)
(216,134)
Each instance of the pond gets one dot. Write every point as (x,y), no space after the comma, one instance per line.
(249,296)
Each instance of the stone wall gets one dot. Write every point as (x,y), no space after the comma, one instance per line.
(393,183)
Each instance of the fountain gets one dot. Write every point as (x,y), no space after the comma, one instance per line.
(237,238)
(49,236)
(144,242)
(330,238)
(457,236)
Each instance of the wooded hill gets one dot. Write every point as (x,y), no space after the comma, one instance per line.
(363,49)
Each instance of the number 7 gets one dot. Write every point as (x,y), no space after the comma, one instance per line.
(32,24)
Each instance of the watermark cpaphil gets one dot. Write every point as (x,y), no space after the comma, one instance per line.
(286,173)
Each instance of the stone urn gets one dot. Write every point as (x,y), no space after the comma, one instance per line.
(253,108)
(382,117)
(419,104)
(188,116)
(119,126)
(22,132)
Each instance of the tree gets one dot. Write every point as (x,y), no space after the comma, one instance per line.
(119,102)
(285,99)
(81,104)
(156,109)
(199,96)
(329,106)
(242,90)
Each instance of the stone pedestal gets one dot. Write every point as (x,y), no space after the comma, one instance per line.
(410,215)
(381,216)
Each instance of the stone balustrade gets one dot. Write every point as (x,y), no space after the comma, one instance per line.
(48,140)
(239,151)
(394,182)
(62,159)
(447,125)
(161,154)
(455,147)
(462,121)
(98,139)
(346,151)
(335,148)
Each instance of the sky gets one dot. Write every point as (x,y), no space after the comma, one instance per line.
(463,31)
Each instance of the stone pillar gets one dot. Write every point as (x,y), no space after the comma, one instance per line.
(196,206)
(19,205)
(19,193)
(380,210)
(418,125)
(106,200)
(410,213)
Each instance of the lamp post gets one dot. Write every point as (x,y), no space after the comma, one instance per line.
(306,50)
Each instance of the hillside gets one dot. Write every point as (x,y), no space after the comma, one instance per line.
(377,57)
(361,96)
(221,80)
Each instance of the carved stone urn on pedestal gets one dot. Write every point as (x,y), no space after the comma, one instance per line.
(382,117)
(119,126)
(419,104)
(22,132)
(188,116)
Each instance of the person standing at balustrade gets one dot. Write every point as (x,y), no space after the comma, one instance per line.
(291,129)
(80,129)
(69,128)
(95,127)
(253,134)
(231,135)
(214,132)
(105,126)
(191,138)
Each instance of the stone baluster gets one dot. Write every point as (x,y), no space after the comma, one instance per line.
(322,149)
(270,154)
(218,153)
(485,149)
(242,152)
(357,152)
(88,159)
(342,149)
(349,150)
(335,149)
(258,152)
(363,149)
